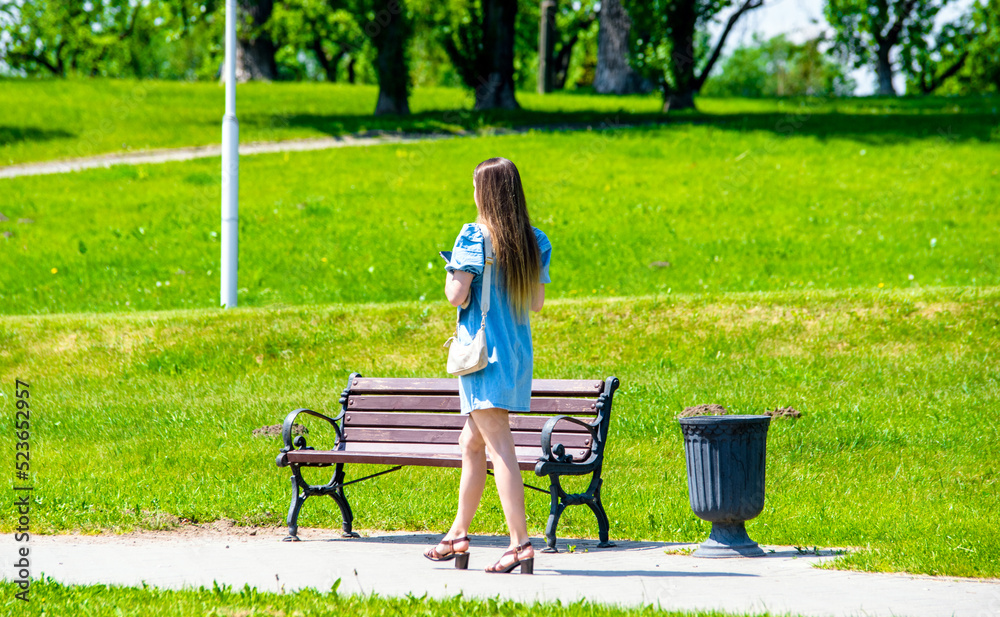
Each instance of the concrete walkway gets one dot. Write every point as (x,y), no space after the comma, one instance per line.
(390,563)
(201,152)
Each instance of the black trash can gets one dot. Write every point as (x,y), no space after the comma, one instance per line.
(725,468)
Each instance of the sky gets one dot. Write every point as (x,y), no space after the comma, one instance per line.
(801,20)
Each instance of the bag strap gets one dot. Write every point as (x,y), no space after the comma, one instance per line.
(487,270)
(484,305)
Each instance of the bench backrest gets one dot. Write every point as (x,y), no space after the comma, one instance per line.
(425,413)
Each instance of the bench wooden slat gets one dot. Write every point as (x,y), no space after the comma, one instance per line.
(447,421)
(424,448)
(434,455)
(531,452)
(406,436)
(452,403)
(539,387)
(423,460)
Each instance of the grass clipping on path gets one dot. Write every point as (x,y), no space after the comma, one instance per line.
(895,452)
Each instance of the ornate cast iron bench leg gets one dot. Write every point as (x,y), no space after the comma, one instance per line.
(302,490)
(298,498)
(555,511)
(603,526)
(346,515)
(591,498)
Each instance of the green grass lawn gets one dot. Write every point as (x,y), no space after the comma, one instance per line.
(895,454)
(678,208)
(52,598)
(52,119)
(68,119)
(839,257)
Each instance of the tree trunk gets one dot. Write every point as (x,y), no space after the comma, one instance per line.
(613,74)
(255,60)
(680,94)
(388,33)
(546,46)
(674,101)
(495,89)
(351,75)
(883,69)
(561,62)
(328,64)
(254,47)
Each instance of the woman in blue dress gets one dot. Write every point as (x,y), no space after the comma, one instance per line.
(520,272)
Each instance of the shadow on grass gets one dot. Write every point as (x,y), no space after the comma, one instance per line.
(873,128)
(458,121)
(14,134)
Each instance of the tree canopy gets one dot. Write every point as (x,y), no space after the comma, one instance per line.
(491,46)
(671,46)
(778,67)
(868,33)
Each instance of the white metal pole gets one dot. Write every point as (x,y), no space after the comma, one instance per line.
(230,168)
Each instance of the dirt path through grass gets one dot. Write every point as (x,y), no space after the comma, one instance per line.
(188,153)
(165,155)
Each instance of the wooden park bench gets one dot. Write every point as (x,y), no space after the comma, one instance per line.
(400,422)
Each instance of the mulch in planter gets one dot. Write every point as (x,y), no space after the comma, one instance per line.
(714,409)
(711,409)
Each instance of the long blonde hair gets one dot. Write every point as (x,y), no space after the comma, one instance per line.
(502,208)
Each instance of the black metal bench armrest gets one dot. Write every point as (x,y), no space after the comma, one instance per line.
(300,441)
(557,453)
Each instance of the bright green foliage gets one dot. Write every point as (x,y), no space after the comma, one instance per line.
(430,64)
(576,35)
(323,40)
(960,57)
(935,57)
(454,31)
(582,25)
(868,31)
(859,24)
(655,24)
(327,31)
(462,38)
(984,55)
(778,67)
(117,38)
(981,69)
(670,44)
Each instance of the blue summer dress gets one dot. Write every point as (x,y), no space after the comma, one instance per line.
(506,381)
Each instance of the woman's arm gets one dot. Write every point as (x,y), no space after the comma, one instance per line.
(539,299)
(457,286)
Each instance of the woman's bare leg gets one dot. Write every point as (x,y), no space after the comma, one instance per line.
(494,426)
(470,487)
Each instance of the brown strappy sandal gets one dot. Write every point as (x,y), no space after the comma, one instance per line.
(527,565)
(461,557)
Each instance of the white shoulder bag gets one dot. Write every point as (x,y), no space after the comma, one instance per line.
(465,359)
